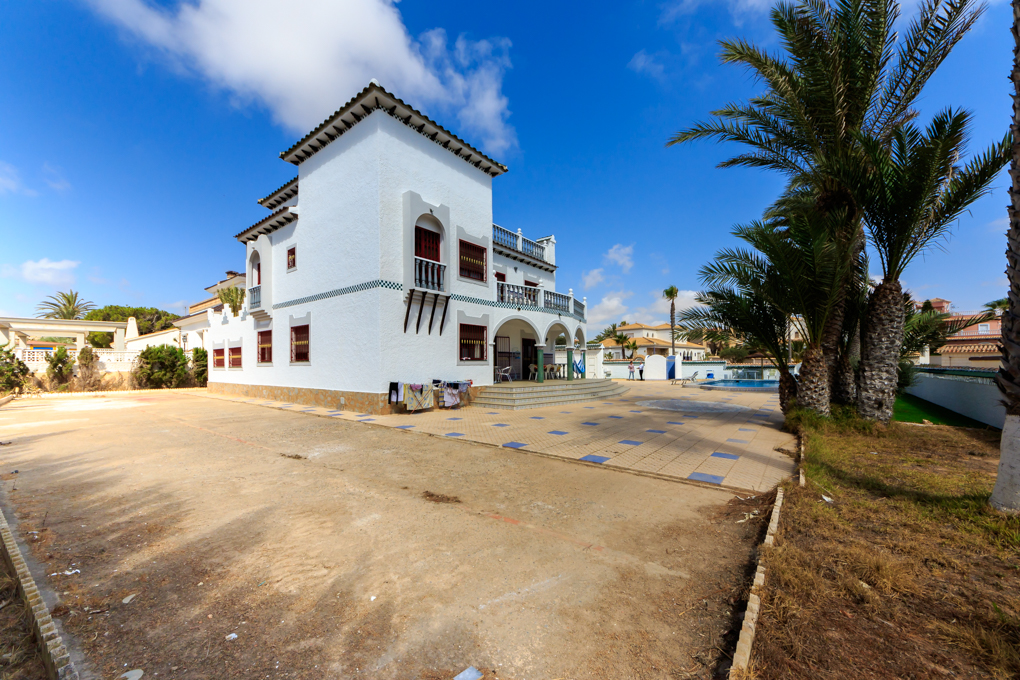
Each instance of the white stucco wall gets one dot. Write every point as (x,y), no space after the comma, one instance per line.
(972,396)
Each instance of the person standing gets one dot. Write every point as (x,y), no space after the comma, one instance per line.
(630,367)
(641,370)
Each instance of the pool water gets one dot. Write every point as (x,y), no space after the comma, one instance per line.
(751,385)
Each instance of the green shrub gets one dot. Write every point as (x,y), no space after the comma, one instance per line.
(88,370)
(13,372)
(162,366)
(60,366)
(200,366)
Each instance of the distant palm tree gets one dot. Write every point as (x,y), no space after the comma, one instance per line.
(608,332)
(671,294)
(998,306)
(621,340)
(632,346)
(64,306)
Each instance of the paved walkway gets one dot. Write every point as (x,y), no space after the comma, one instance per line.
(714,437)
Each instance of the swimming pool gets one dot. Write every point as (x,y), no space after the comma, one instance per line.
(741,385)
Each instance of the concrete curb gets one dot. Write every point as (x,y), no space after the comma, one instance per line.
(6,399)
(800,457)
(54,654)
(742,655)
(108,393)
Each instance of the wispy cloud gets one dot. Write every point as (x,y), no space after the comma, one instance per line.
(10,181)
(45,272)
(54,178)
(645,63)
(999,226)
(657,311)
(593,278)
(611,309)
(303,59)
(740,10)
(622,256)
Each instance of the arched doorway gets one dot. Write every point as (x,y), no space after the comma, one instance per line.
(515,349)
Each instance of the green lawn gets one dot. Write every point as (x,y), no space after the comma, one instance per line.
(911,409)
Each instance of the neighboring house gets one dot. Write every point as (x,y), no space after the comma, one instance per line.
(938,304)
(196,323)
(380,263)
(976,345)
(648,346)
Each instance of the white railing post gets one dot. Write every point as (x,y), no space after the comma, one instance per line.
(520,242)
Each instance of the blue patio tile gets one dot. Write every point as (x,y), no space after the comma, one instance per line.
(567,412)
(608,403)
(334,415)
(306,410)
(513,445)
(559,432)
(537,417)
(500,425)
(404,427)
(656,431)
(635,411)
(336,411)
(589,423)
(362,415)
(746,429)
(738,441)
(492,413)
(702,477)
(617,417)
(688,415)
(454,434)
(727,456)
(367,420)
(589,407)
(674,422)
(592,458)
(630,442)
(455,419)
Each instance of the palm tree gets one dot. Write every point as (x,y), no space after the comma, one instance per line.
(607,333)
(914,194)
(621,340)
(64,306)
(1006,495)
(632,346)
(671,294)
(233,297)
(997,306)
(843,72)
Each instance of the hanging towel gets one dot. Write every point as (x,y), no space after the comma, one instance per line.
(392,398)
(400,392)
(451,396)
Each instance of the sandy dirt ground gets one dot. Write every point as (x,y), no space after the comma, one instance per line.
(342,550)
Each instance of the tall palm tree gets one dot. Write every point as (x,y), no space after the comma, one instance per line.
(843,71)
(632,346)
(997,306)
(622,340)
(914,192)
(1006,495)
(67,305)
(671,294)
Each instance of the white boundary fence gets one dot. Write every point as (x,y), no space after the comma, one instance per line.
(110,360)
(970,393)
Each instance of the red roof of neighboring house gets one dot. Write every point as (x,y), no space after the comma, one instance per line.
(979,348)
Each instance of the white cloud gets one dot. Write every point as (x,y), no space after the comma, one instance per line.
(642,62)
(305,58)
(54,177)
(657,311)
(45,272)
(622,256)
(611,309)
(10,181)
(593,278)
(740,10)
(999,226)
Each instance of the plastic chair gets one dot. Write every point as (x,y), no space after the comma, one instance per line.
(534,371)
(504,374)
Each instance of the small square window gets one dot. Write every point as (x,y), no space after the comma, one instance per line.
(265,347)
(291,258)
(217,358)
(472,342)
(234,357)
(984,328)
(299,343)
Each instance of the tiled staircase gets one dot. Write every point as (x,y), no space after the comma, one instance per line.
(523,394)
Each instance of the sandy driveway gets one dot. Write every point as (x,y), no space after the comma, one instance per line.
(337,550)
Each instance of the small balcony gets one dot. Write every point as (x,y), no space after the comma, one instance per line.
(516,245)
(255,297)
(530,296)
(524,296)
(429,275)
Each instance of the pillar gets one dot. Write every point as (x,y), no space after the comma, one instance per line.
(570,363)
(541,363)
(79,341)
(118,339)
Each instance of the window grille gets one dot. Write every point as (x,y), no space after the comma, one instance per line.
(426,244)
(217,358)
(292,258)
(265,347)
(472,261)
(235,357)
(472,342)
(299,343)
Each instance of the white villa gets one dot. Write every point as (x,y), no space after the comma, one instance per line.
(380,263)
(653,340)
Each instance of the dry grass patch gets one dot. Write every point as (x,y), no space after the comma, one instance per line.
(890,564)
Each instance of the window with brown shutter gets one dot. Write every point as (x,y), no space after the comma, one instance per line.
(234,358)
(258,273)
(265,347)
(472,342)
(426,244)
(291,258)
(299,343)
(500,276)
(472,261)
(217,358)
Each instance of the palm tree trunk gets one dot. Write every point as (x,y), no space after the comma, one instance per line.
(1006,496)
(787,390)
(880,351)
(813,386)
(672,327)
(844,384)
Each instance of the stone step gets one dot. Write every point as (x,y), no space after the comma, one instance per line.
(551,396)
(531,386)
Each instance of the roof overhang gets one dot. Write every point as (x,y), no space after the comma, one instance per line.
(281,195)
(58,326)
(521,257)
(374,98)
(280,218)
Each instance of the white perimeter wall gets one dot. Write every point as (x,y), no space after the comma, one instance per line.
(972,396)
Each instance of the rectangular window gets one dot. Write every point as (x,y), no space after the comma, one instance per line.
(472,261)
(426,244)
(265,347)
(500,276)
(234,357)
(472,342)
(984,328)
(530,284)
(217,358)
(291,258)
(299,343)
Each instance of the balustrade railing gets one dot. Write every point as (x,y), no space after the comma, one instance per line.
(529,247)
(578,308)
(556,301)
(508,239)
(504,237)
(255,297)
(429,275)
(517,295)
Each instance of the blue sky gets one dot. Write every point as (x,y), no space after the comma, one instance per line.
(135,136)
